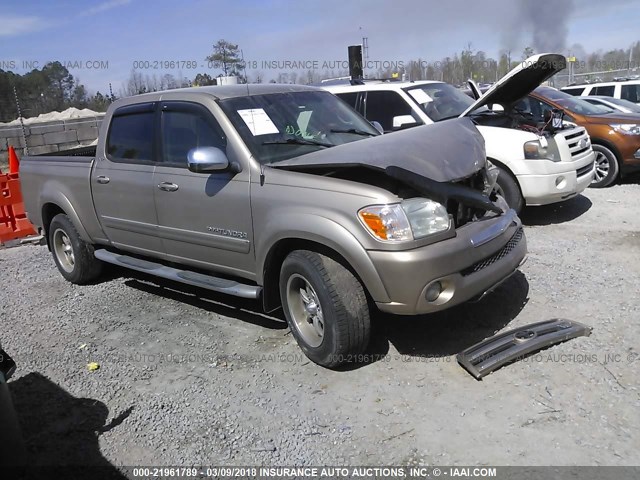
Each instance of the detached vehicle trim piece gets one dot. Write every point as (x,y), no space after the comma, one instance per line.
(487,356)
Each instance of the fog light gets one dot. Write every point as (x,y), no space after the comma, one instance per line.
(637,154)
(433,291)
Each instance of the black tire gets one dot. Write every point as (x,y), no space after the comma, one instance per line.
(73,256)
(509,189)
(346,325)
(607,167)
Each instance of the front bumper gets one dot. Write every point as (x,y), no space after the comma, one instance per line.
(550,182)
(481,255)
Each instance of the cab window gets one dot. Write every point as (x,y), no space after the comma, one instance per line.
(576,92)
(185,127)
(130,137)
(381,106)
(631,93)
(604,90)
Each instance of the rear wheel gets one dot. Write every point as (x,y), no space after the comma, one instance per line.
(607,167)
(325,306)
(73,256)
(507,187)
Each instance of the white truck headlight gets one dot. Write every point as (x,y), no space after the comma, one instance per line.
(627,128)
(542,149)
(412,219)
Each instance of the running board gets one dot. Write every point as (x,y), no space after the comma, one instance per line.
(216,284)
(483,358)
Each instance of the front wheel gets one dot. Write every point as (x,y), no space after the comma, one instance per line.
(607,167)
(326,308)
(73,256)
(507,187)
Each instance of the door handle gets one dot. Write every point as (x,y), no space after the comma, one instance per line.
(168,186)
(102,179)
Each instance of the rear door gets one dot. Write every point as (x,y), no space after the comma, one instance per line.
(122,180)
(204,219)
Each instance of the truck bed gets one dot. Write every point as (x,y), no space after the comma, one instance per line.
(63,179)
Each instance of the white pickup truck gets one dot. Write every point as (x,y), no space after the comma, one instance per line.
(539,164)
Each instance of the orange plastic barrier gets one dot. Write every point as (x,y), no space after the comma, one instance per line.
(14,163)
(13,220)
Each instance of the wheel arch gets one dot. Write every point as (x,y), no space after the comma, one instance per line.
(269,268)
(504,167)
(58,203)
(611,146)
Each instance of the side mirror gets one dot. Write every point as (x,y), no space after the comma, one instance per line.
(377,126)
(207,159)
(404,121)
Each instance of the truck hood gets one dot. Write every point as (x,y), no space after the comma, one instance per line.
(446,151)
(520,81)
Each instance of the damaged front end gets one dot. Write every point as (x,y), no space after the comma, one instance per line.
(444,163)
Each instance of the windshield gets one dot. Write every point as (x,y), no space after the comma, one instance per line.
(573,104)
(440,101)
(280,126)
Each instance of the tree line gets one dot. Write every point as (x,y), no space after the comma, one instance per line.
(54,88)
(44,90)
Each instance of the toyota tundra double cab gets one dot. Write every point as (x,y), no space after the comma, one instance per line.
(284,194)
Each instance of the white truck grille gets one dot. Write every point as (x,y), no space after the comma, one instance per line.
(578,141)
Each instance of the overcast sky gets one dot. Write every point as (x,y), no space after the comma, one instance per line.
(122,32)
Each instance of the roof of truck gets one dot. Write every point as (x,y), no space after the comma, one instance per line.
(231,91)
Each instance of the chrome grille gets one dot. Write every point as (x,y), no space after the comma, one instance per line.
(575,140)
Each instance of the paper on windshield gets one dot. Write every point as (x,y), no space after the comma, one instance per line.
(420,96)
(258,121)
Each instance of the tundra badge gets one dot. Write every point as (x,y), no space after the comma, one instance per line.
(225,232)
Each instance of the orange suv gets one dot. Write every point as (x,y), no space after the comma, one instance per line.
(615,136)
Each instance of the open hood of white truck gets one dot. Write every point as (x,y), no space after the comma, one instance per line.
(520,81)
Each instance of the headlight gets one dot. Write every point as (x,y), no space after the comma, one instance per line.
(627,128)
(543,148)
(410,220)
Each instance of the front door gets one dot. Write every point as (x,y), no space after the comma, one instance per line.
(204,219)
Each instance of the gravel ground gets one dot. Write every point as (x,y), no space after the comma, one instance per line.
(190,377)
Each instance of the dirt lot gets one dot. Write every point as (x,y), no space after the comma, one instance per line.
(190,377)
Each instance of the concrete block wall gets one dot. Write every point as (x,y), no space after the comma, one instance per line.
(49,137)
